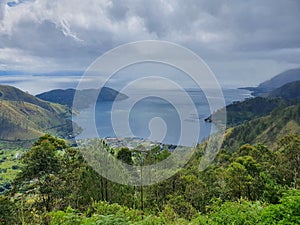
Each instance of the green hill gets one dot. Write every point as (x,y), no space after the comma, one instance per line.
(25,117)
(287,91)
(240,112)
(252,108)
(9,93)
(263,119)
(280,80)
(267,130)
(65,97)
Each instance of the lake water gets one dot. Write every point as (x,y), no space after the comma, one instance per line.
(156,117)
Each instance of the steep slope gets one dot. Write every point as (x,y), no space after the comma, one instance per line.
(25,117)
(65,97)
(10,93)
(267,129)
(287,91)
(240,112)
(281,79)
(277,81)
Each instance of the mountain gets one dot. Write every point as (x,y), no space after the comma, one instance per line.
(249,109)
(276,82)
(267,129)
(262,119)
(240,112)
(25,117)
(9,93)
(65,97)
(287,91)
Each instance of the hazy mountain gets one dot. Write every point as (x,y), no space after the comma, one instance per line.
(240,112)
(65,97)
(25,117)
(287,91)
(276,82)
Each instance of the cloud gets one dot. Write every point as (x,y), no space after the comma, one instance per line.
(63,34)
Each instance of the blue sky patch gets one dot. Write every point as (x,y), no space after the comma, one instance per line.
(15,3)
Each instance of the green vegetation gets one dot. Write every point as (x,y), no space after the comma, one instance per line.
(255,178)
(267,129)
(287,91)
(239,112)
(252,185)
(25,117)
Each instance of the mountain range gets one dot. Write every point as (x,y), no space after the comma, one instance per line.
(275,82)
(27,117)
(264,118)
(268,117)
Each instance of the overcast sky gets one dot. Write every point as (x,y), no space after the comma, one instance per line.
(243,42)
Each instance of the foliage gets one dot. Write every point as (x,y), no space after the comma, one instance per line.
(239,213)
(287,212)
(56,186)
(7,211)
(267,129)
(25,117)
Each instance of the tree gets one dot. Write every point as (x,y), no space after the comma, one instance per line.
(287,212)
(125,155)
(243,178)
(39,174)
(289,159)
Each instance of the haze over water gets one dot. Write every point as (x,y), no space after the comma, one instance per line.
(154,110)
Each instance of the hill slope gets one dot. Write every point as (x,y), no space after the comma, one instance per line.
(9,93)
(267,129)
(65,97)
(25,117)
(249,109)
(287,91)
(276,82)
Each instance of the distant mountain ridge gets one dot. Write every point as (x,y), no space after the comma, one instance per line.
(252,108)
(66,97)
(287,91)
(25,117)
(281,79)
(276,82)
(267,118)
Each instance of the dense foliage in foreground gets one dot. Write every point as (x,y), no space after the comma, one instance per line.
(253,185)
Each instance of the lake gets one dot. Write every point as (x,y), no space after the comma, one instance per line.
(153,116)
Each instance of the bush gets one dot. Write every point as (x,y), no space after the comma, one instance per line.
(238,213)
(287,212)
(7,211)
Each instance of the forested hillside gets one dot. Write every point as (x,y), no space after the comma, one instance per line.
(25,117)
(267,129)
(254,179)
(254,184)
(242,111)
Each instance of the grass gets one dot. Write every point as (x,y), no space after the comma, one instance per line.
(26,121)
(9,158)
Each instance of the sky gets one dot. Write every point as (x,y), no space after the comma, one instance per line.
(243,42)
